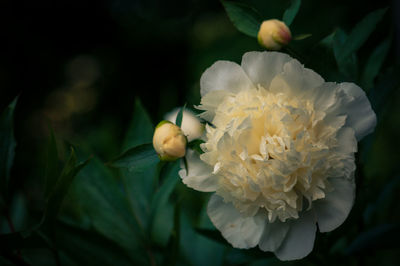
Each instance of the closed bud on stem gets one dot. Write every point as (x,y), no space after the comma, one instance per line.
(169,141)
(273,34)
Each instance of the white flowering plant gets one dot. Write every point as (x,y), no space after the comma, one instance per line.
(282,153)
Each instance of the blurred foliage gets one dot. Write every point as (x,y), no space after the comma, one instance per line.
(100,73)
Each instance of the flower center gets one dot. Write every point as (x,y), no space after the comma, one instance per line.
(269,152)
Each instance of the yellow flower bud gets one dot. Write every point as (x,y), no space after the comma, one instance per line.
(273,34)
(169,141)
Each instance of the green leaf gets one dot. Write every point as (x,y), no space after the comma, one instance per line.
(96,200)
(383,236)
(348,66)
(245,18)
(302,36)
(160,199)
(7,147)
(374,63)
(212,234)
(179,116)
(60,190)
(140,130)
(173,246)
(360,34)
(52,165)
(139,183)
(195,145)
(291,12)
(86,247)
(139,157)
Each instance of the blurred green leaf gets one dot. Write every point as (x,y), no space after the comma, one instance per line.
(302,36)
(347,66)
(7,147)
(382,204)
(359,34)
(374,63)
(202,250)
(212,234)
(384,89)
(86,247)
(97,201)
(140,129)
(291,12)
(139,183)
(139,157)
(57,195)
(174,242)
(170,178)
(245,18)
(380,237)
(179,116)
(52,165)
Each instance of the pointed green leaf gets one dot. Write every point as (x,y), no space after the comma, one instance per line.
(139,157)
(291,12)
(374,63)
(52,164)
(139,182)
(141,128)
(245,18)
(7,146)
(179,116)
(60,189)
(302,36)
(360,34)
(170,178)
(97,200)
(348,66)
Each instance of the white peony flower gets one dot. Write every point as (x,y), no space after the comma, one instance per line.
(279,152)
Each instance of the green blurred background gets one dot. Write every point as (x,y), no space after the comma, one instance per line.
(80,66)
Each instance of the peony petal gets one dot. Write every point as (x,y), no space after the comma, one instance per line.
(299,80)
(241,232)
(262,67)
(347,142)
(335,207)
(224,75)
(200,175)
(299,240)
(210,102)
(273,235)
(360,117)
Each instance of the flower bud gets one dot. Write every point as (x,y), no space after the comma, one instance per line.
(273,34)
(191,125)
(169,141)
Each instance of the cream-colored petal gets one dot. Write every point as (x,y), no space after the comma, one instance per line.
(299,241)
(240,231)
(360,117)
(200,175)
(273,235)
(299,81)
(335,207)
(262,67)
(224,75)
